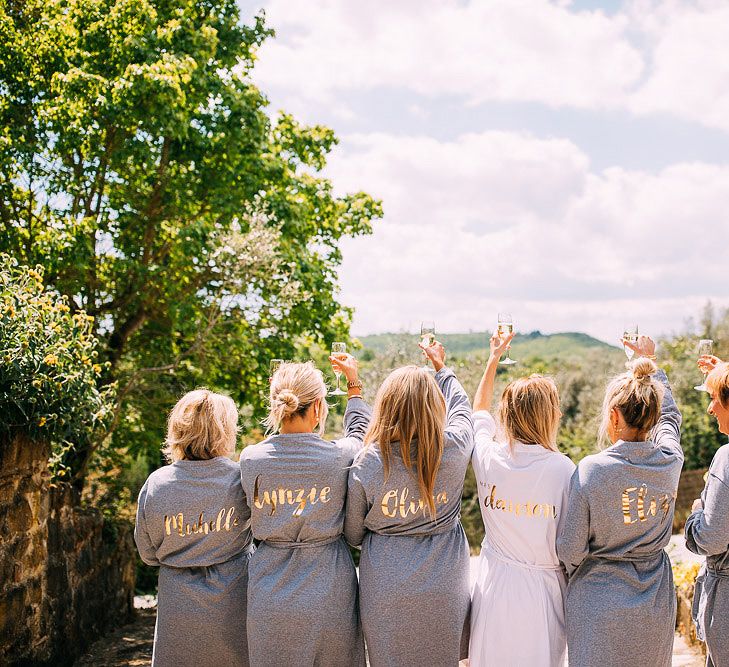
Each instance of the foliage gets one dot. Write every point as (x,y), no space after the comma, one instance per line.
(139,166)
(684,576)
(49,375)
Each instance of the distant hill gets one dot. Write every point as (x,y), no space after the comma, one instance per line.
(532,344)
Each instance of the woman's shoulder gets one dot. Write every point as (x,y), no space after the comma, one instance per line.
(561,462)
(368,458)
(720,462)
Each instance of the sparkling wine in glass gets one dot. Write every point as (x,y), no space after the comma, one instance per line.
(505,326)
(337,349)
(427,337)
(630,333)
(706,346)
(273,366)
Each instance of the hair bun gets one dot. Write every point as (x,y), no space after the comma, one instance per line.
(642,369)
(288,400)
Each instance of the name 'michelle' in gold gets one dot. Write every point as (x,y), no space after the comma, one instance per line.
(225,520)
(634,498)
(298,498)
(528,509)
(398,502)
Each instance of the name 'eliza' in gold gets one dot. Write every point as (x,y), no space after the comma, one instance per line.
(634,504)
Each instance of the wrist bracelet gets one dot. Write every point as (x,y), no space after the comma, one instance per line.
(357,384)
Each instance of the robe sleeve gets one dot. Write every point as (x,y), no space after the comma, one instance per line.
(357,508)
(574,535)
(356,418)
(707,529)
(145,545)
(667,433)
(459,422)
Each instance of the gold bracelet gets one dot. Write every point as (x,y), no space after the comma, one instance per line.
(357,384)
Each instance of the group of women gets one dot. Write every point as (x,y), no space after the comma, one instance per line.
(573,560)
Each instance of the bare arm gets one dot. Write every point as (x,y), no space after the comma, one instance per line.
(485,392)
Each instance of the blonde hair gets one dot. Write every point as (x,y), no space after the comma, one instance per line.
(201,426)
(529,412)
(410,408)
(294,388)
(717,382)
(637,395)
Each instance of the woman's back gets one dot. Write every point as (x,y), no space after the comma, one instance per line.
(522,494)
(296,485)
(621,507)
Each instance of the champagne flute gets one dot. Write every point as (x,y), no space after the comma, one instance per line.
(273,366)
(427,338)
(337,349)
(505,326)
(630,333)
(706,346)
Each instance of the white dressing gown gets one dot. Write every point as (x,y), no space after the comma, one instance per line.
(517,613)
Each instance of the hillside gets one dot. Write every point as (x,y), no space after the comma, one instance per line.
(534,344)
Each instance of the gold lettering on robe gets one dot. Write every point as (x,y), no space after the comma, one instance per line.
(399,502)
(296,498)
(634,496)
(225,520)
(529,508)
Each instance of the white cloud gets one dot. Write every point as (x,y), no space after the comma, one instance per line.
(496,220)
(689,74)
(652,56)
(531,50)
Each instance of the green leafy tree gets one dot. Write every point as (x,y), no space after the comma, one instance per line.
(140,167)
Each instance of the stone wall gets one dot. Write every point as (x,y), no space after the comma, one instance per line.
(66,574)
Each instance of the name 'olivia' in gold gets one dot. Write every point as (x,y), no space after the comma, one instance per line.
(398,501)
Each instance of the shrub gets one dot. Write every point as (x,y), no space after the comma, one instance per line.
(50,381)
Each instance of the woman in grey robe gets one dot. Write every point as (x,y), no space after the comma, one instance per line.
(414,568)
(620,607)
(302,592)
(192,523)
(707,530)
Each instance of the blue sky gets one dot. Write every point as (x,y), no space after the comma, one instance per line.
(566,161)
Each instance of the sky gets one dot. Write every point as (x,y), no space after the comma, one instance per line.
(567,162)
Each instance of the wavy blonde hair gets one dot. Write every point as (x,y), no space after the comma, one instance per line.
(637,395)
(201,426)
(410,409)
(529,412)
(294,389)
(717,382)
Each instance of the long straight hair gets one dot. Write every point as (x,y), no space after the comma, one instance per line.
(529,412)
(410,409)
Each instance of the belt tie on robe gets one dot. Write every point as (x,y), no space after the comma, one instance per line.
(631,558)
(291,544)
(705,591)
(485,548)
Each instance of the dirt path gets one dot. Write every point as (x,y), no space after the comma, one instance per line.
(128,645)
(132,645)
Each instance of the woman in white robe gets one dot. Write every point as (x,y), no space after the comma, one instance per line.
(517,613)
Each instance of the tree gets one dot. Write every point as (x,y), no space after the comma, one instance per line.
(139,166)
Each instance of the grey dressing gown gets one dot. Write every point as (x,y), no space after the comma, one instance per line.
(707,534)
(302,593)
(193,523)
(620,607)
(414,573)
